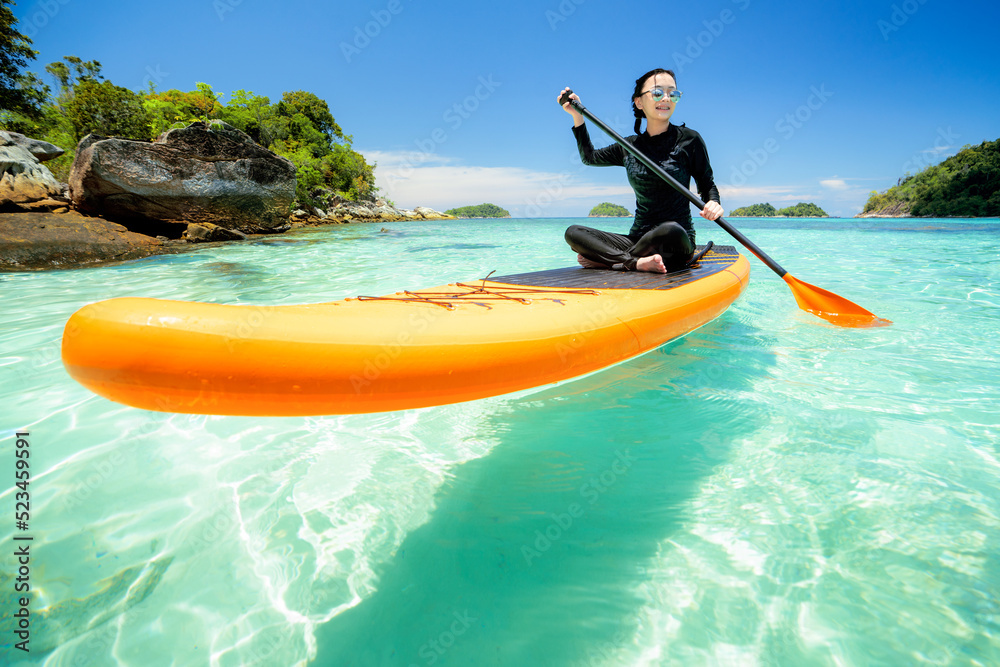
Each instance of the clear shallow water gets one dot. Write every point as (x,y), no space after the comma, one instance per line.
(767,490)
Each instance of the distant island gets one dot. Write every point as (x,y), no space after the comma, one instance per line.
(966,185)
(754,211)
(800,210)
(480,211)
(608,210)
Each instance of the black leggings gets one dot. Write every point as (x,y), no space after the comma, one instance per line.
(620,252)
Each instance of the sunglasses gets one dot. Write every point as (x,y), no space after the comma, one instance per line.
(658,94)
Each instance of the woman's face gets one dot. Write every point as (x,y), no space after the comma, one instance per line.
(662,110)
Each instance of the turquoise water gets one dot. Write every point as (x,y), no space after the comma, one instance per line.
(768,490)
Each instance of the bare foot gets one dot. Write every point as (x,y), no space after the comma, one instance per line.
(590,264)
(652,264)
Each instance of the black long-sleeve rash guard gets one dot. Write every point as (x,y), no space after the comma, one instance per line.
(680,151)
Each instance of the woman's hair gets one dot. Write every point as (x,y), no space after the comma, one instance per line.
(639,83)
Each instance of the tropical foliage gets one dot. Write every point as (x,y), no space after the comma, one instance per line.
(966,185)
(299,126)
(17,92)
(754,211)
(173,108)
(480,211)
(104,108)
(609,210)
(800,210)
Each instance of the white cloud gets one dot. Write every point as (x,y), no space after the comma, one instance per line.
(840,199)
(412,178)
(395,159)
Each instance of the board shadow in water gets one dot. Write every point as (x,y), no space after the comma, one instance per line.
(236,270)
(535,552)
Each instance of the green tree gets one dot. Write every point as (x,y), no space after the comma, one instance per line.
(71,72)
(16,94)
(162,114)
(252,114)
(205,101)
(33,121)
(301,128)
(609,210)
(314,110)
(349,172)
(107,109)
(173,108)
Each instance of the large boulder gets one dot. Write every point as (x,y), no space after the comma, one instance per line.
(206,231)
(23,178)
(197,174)
(431,214)
(42,150)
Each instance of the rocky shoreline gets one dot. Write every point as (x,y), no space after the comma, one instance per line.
(131,199)
(54,236)
(897,210)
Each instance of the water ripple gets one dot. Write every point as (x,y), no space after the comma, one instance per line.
(800,494)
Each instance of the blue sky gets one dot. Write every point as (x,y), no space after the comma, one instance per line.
(455,101)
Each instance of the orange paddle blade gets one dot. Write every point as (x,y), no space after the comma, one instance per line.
(831,307)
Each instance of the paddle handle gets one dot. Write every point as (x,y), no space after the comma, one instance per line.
(659,171)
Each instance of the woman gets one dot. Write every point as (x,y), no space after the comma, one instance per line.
(662,237)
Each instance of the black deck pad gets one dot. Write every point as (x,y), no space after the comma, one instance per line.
(718,259)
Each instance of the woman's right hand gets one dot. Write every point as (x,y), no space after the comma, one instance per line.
(568,108)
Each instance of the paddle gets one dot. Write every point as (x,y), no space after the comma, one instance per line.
(816,300)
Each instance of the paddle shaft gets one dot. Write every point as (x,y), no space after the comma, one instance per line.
(690,196)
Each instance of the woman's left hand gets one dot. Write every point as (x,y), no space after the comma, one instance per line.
(712,211)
